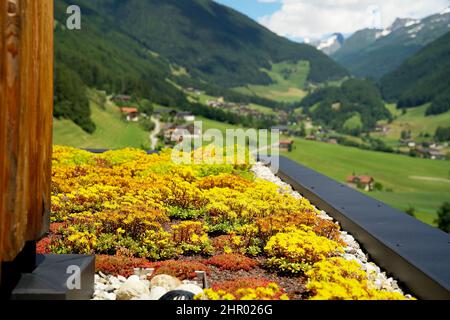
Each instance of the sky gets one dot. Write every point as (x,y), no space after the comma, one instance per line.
(314,19)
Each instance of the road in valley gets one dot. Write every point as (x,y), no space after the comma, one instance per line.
(154,133)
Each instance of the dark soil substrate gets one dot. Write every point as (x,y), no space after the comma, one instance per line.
(294,286)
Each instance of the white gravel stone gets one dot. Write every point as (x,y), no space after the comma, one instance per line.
(132,288)
(165,281)
(100,286)
(115,283)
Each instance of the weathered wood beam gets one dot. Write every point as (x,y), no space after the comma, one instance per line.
(26,107)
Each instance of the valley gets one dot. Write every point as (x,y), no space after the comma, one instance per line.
(224,69)
(406,190)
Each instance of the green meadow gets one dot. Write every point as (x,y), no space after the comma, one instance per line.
(408,182)
(288,82)
(112,132)
(413,120)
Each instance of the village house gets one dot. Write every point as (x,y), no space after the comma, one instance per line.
(286,145)
(434,154)
(381,128)
(169,112)
(185,116)
(214,104)
(363,182)
(121,98)
(408,142)
(195,91)
(429,153)
(176,133)
(283,129)
(332,141)
(131,114)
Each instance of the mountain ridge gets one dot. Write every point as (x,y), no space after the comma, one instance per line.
(149,49)
(213,42)
(422,78)
(376,52)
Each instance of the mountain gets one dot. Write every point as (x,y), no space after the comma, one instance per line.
(331,44)
(148,48)
(423,78)
(212,42)
(376,52)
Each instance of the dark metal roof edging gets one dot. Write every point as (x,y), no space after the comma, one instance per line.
(413,252)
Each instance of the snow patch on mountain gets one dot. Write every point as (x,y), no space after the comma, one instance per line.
(411,23)
(330,44)
(445,11)
(327,43)
(383,33)
(416,29)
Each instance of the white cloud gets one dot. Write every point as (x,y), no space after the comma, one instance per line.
(314,19)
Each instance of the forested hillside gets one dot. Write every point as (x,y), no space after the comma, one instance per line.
(146,48)
(213,42)
(102,57)
(423,78)
(352,108)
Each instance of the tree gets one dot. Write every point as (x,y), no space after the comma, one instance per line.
(378,186)
(440,104)
(145,106)
(443,220)
(411,211)
(406,134)
(442,134)
(302,130)
(70,98)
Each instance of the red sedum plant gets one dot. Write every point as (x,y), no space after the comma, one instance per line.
(180,269)
(119,265)
(233,262)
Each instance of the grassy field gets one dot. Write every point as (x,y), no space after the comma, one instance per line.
(111,133)
(419,183)
(211,124)
(289,80)
(413,120)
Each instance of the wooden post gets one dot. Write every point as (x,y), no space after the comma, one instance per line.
(26,108)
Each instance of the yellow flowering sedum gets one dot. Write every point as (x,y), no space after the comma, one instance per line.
(151,207)
(296,249)
(339,279)
(270,292)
